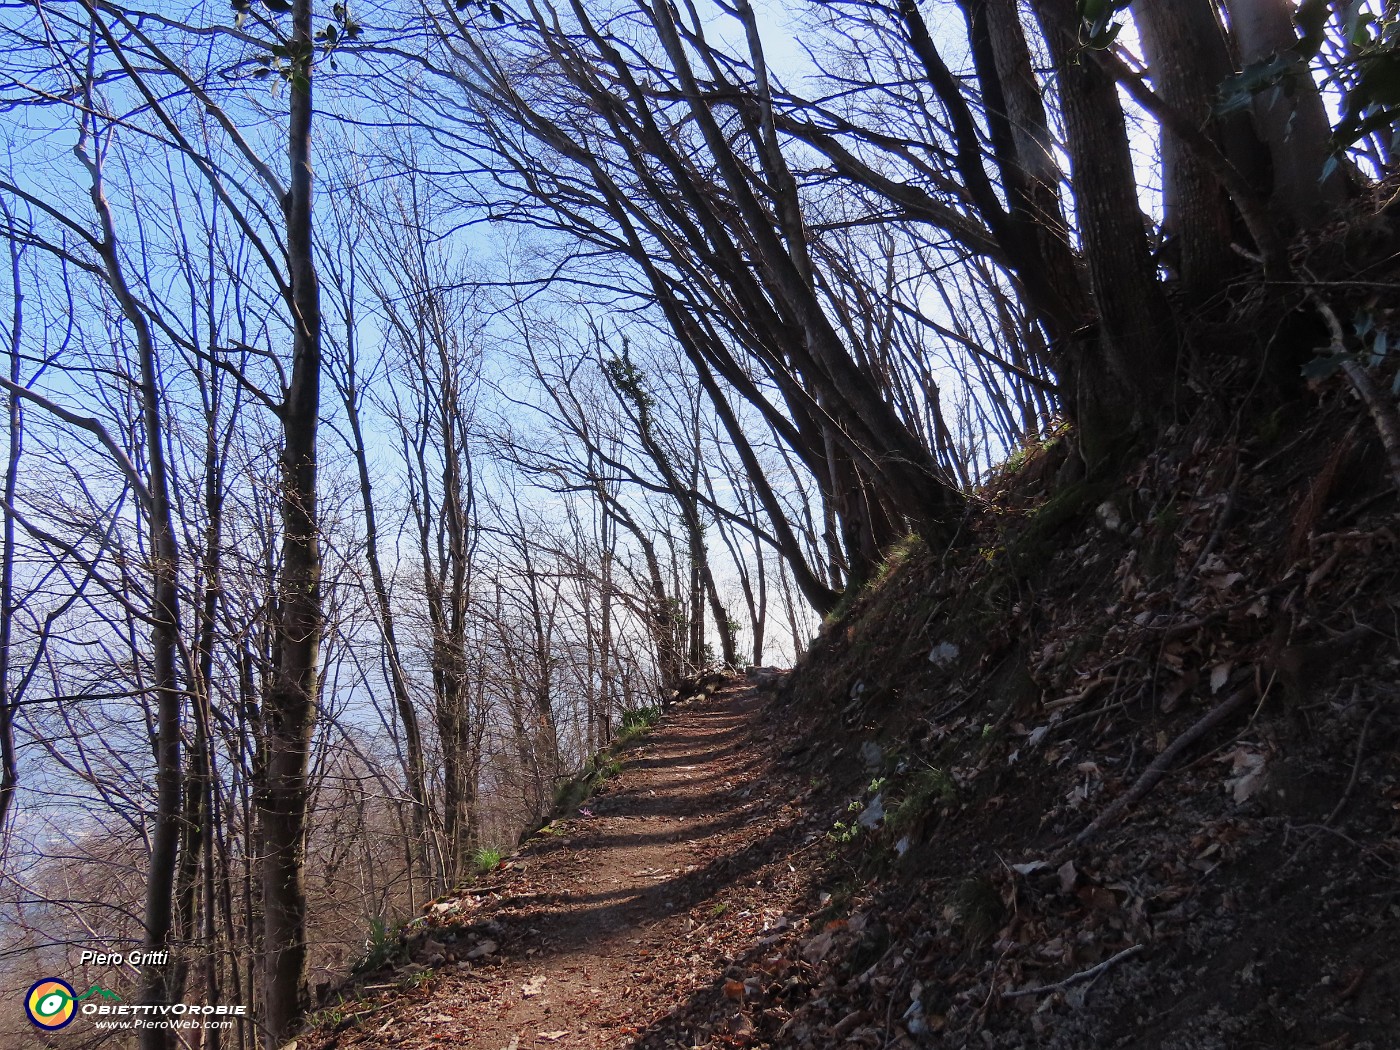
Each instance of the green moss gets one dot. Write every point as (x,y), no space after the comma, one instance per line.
(1033,547)
(599,768)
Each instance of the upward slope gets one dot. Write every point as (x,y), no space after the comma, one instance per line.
(608,919)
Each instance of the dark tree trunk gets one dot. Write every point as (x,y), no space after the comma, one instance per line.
(161,877)
(821,597)
(1126,384)
(1024,149)
(1188,60)
(289,714)
(415,771)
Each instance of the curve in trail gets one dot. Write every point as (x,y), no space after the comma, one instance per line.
(613,920)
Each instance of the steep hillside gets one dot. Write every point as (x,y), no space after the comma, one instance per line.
(1135,756)
(1121,771)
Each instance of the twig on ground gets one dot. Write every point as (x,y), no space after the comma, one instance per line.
(1355,768)
(1162,764)
(1084,975)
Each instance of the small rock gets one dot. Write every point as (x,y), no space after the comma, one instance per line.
(871,754)
(432,952)
(482,950)
(1109,516)
(872,814)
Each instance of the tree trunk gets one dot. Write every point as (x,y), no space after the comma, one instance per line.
(1293,123)
(164,615)
(458,779)
(1188,61)
(289,713)
(821,597)
(878,440)
(14,449)
(1052,276)
(1127,383)
(414,772)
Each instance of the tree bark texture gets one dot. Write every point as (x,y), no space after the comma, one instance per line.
(1129,381)
(1188,60)
(289,711)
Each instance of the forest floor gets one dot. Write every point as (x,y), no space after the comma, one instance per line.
(608,919)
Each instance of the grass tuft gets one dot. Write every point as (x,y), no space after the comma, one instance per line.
(382,946)
(487,858)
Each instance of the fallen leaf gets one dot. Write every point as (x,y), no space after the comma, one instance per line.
(1219,675)
(534,986)
(1247,773)
(815,950)
(554,1036)
(1176,691)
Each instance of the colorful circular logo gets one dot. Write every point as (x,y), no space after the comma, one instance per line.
(50,1003)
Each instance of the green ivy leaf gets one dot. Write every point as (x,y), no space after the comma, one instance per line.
(1238,91)
(1359,29)
(1379,347)
(1322,367)
(1311,19)
(1103,39)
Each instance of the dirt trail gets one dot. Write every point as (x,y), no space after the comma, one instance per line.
(620,912)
